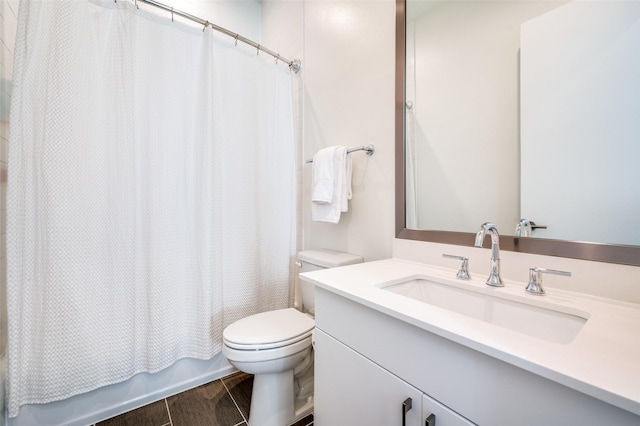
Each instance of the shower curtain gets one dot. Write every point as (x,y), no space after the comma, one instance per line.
(150,195)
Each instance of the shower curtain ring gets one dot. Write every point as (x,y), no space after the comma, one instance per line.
(237,39)
(171,13)
(277,57)
(206,24)
(258,50)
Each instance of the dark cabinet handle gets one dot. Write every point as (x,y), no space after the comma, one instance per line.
(431,420)
(406,406)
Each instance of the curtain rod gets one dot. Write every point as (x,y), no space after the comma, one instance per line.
(294,64)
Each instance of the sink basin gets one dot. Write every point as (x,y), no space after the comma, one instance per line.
(536,321)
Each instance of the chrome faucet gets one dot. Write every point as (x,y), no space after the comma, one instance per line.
(535,279)
(525,228)
(494,276)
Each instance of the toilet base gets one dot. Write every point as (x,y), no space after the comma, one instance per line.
(303,407)
(272,400)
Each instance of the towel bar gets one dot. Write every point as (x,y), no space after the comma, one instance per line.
(370,149)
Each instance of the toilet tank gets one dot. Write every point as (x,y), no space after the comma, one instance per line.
(312,260)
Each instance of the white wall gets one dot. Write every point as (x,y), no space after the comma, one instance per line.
(618,282)
(344,95)
(349,56)
(348,96)
(282,23)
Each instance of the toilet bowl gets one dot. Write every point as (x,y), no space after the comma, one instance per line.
(270,346)
(276,347)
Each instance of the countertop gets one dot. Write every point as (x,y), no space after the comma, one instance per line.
(602,361)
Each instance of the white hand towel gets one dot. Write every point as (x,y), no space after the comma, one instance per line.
(330,212)
(323,175)
(346,187)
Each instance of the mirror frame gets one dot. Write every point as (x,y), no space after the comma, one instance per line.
(599,252)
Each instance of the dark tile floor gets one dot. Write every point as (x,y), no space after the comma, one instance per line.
(224,402)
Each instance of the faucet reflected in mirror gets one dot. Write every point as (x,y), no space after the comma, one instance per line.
(525,228)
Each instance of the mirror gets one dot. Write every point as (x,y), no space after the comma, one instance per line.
(477,134)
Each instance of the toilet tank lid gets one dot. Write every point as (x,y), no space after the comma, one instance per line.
(328,258)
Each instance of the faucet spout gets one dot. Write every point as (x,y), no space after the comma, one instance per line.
(494,274)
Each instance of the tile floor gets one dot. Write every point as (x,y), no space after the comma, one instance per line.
(224,402)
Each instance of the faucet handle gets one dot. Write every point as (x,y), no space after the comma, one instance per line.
(463,272)
(535,279)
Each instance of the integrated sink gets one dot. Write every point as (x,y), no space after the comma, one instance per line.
(536,321)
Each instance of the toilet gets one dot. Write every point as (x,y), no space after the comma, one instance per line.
(275,347)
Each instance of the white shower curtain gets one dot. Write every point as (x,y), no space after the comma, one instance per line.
(150,195)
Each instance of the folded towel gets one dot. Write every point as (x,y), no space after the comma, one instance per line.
(346,187)
(330,212)
(323,175)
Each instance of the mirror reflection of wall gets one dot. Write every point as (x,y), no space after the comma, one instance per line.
(465,61)
(464,126)
(580,103)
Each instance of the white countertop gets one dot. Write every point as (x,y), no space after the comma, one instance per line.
(602,361)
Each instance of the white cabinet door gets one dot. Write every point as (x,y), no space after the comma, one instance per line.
(350,390)
(436,414)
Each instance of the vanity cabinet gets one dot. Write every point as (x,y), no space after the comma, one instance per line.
(368,362)
(436,414)
(352,390)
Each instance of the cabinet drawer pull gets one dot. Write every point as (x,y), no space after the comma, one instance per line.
(431,420)
(406,406)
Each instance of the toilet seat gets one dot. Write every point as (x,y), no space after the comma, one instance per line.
(269,330)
